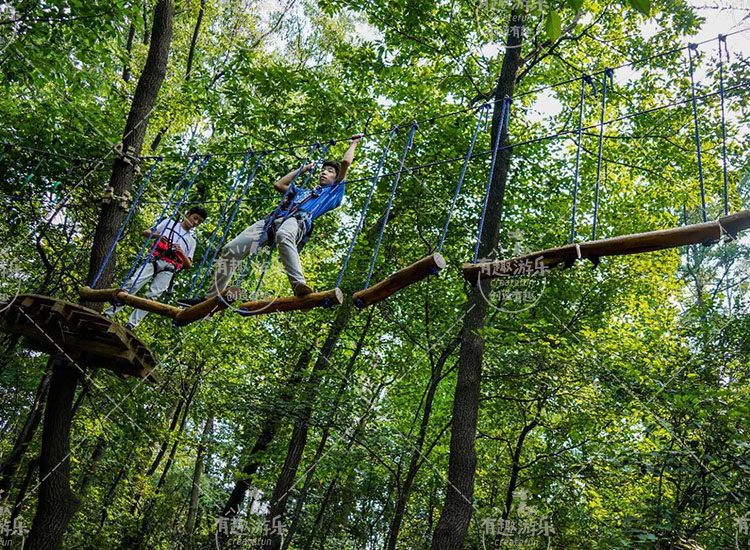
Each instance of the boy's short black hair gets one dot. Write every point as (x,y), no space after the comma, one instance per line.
(336,165)
(198,210)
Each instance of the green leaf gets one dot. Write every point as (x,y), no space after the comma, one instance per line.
(643,6)
(575,5)
(553,25)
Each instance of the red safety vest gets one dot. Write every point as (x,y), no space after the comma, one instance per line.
(165,252)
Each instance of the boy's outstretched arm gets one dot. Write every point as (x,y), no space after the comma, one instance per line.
(283,183)
(346,162)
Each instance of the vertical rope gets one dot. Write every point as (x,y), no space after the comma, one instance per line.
(723,39)
(608,74)
(408,145)
(224,210)
(504,111)
(225,231)
(362,215)
(483,110)
(585,79)
(694,48)
(172,216)
(125,223)
(138,259)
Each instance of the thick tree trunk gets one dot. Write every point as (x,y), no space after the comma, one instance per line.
(121,181)
(197,471)
(453,524)
(298,441)
(11,464)
(271,426)
(405,490)
(57,503)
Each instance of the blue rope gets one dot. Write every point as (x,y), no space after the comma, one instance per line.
(483,111)
(723,38)
(694,48)
(502,124)
(225,231)
(608,74)
(409,142)
(138,259)
(276,210)
(125,223)
(223,214)
(362,215)
(175,212)
(585,79)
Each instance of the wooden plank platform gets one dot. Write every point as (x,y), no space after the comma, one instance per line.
(60,328)
(705,233)
(291,303)
(429,265)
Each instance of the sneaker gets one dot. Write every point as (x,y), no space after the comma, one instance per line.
(130,326)
(301,289)
(189,302)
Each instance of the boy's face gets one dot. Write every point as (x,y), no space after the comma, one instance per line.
(328,175)
(193,220)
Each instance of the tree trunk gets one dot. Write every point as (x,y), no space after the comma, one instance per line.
(128,49)
(22,490)
(289,535)
(297,443)
(194,40)
(453,524)
(121,181)
(96,458)
(57,503)
(175,445)
(199,467)
(11,464)
(271,425)
(405,491)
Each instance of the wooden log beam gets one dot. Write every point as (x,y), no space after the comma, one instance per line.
(706,233)
(291,303)
(429,265)
(117,294)
(208,307)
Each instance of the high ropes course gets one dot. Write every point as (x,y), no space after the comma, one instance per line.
(80,334)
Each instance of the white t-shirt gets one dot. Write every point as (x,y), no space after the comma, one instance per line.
(176,234)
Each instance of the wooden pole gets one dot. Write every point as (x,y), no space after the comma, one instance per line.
(88,294)
(208,307)
(707,233)
(291,303)
(417,271)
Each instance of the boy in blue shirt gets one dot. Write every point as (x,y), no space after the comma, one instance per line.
(304,207)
